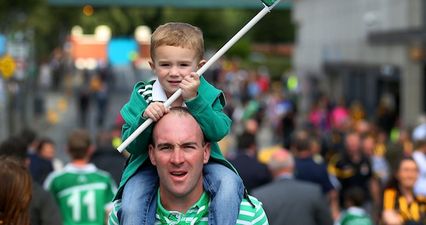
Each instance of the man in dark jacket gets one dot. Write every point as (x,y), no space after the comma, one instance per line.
(313,169)
(252,171)
(291,202)
(106,157)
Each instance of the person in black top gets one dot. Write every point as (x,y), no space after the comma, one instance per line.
(353,169)
(312,170)
(252,171)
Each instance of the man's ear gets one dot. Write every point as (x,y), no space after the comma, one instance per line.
(201,63)
(151,150)
(206,150)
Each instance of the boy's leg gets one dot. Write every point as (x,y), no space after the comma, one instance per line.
(226,190)
(139,198)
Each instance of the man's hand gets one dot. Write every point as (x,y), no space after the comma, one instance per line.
(189,86)
(155,111)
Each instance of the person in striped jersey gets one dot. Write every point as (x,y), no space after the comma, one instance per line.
(179,153)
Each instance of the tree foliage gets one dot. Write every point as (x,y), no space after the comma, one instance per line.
(52,24)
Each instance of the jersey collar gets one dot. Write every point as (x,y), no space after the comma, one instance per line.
(158,93)
(197,212)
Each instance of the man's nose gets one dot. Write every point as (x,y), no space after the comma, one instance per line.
(177,156)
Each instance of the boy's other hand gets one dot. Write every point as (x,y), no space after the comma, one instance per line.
(155,111)
(189,86)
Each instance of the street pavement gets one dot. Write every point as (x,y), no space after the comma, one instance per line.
(62,114)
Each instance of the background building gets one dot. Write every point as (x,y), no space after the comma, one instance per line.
(364,50)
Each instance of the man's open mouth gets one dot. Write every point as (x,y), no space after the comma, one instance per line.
(178,173)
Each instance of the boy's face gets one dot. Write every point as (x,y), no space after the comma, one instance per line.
(171,64)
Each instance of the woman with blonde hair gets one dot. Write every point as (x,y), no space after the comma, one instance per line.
(15,192)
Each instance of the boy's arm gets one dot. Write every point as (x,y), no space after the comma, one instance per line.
(132,113)
(209,114)
(141,142)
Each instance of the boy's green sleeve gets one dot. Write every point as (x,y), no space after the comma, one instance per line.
(207,108)
(213,121)
(132,113)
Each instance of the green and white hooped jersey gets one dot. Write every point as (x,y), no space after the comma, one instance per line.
(198,213)
(83,194)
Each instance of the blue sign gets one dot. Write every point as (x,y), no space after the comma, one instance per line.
(3,41)
(122,51)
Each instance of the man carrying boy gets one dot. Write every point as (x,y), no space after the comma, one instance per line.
(180,154)
(177,51)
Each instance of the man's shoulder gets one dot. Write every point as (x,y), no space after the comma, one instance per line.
(54,176)
(310,168)
(355,217)
(251,211)
(69,172)
(286,185)
(310,189)
(250,204)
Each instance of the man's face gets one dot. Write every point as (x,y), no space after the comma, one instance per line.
(179,155)
(171,64)
(353,144)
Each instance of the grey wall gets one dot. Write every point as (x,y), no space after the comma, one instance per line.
(336,31)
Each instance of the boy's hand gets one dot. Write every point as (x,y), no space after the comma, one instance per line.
(155,111)
(189,86)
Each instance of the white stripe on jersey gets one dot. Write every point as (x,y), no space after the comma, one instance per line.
(85,187)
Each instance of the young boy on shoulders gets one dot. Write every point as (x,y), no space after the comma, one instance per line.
(177,51)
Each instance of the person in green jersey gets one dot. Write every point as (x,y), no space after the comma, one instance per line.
(179,152)
(82,191)
(354,213)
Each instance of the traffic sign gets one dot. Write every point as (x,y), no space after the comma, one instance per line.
(7,66)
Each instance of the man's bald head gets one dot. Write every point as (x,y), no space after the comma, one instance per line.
(170,119)
(281,162)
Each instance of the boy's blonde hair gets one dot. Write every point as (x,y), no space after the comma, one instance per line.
(178,35)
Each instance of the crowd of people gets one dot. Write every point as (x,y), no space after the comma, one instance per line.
(336,165)
(354,158)
(367,167)
(35,191)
